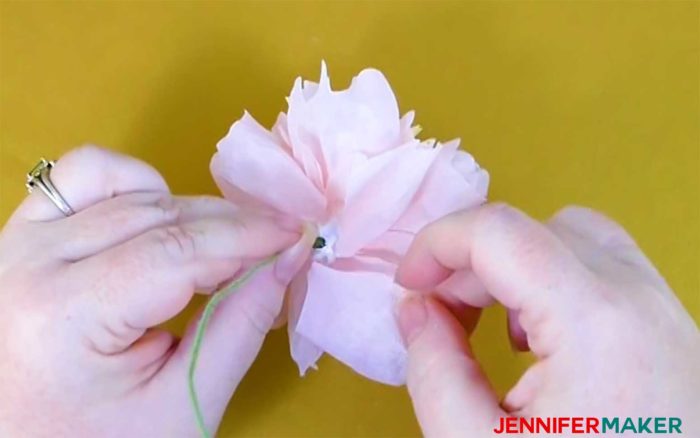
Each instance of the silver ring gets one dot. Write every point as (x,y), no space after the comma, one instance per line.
(39,177)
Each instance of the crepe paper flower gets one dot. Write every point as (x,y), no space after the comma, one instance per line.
(345,163)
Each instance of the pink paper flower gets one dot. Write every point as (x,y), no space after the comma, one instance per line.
(345,163)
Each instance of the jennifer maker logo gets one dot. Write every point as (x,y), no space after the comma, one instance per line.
(588,425)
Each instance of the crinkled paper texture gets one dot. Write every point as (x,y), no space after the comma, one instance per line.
(346,164)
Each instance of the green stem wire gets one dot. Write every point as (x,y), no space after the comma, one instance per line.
(209,309)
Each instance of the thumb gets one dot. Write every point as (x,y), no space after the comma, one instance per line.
(450,394)
(235,334)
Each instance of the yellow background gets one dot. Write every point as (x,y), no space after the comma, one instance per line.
(594,103)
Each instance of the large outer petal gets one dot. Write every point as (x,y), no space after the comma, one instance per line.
(303,351)
(324,125)
(378,193)
(350,315)
(454,182)
(251,160)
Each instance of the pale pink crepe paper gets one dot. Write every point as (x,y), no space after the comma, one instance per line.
(344,163)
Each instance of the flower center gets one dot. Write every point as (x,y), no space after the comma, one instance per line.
(319,243)
(324,245)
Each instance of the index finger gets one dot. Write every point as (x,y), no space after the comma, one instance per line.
(519,261)
(149,279)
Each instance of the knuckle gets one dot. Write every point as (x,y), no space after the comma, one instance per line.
(150,208)
(573,216)
(499,215)
(88,153)
(108,162)
(573,211)
(177,242)
(165,207)
(500,221)
(593,225)
(507,235)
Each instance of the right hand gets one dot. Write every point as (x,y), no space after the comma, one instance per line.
(610,336)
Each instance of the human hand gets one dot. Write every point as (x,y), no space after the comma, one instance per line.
(80,354)
(611,338)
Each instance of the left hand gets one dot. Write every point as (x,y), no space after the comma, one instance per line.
(82,296)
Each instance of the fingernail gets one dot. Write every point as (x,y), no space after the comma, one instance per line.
(412,317)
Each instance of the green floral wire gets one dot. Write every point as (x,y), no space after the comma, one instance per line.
(209,309)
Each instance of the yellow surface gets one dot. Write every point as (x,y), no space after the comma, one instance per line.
(592,103)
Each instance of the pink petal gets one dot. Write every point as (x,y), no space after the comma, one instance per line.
(325,125)
(303,351)
(464,164)
(366,263)
(250,159)
(454,182)
(390,246)
(369,111)
(235,194)
(281,133)
(350,315)
(305,145)
(378,193)
(406,127)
